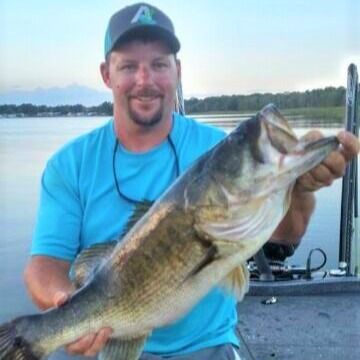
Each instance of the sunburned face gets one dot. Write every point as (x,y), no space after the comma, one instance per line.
(143,78)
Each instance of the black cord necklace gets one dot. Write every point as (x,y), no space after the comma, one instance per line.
(120,193)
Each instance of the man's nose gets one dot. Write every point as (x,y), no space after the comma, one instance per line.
(143,75)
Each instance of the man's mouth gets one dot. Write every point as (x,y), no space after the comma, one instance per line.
(146,99)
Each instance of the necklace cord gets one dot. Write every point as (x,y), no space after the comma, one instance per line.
(173,148)
(117,186)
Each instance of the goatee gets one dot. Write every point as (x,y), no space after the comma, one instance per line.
(146,121)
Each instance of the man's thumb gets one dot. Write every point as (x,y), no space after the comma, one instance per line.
(60,298)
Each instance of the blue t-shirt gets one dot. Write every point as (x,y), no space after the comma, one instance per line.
(80,206)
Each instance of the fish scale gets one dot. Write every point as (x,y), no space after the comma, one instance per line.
(162,263)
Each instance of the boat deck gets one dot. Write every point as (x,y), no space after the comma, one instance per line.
(305,326)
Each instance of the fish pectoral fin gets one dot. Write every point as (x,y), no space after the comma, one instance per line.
(224,247)
(88,261)
(120,349)
(237,282)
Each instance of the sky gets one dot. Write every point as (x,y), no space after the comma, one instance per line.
(227,46)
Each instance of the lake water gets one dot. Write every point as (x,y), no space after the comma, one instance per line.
(26,144)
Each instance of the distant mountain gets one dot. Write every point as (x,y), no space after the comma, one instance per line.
(69,95)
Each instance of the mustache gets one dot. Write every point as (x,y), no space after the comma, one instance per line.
(145,92)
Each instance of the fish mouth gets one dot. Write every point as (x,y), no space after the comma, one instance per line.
(289,156)
(278,130)
(306,155)
(296,155)
(330,141)
(288,167)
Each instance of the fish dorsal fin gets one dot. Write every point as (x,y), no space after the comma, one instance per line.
(139,211)
(117,349)
(237,282)
(88,261)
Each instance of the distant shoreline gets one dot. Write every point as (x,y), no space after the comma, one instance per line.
(326,104)
(330,116)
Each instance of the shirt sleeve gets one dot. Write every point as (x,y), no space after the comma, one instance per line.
(58,226)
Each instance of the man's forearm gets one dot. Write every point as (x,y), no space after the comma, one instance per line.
(293,226)
(44,277)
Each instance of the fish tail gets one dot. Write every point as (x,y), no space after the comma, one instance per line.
(13,346)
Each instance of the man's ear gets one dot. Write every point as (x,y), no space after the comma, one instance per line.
(105,74)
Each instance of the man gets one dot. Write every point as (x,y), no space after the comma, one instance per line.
(90,186)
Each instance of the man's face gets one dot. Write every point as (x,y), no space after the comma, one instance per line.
(143,78)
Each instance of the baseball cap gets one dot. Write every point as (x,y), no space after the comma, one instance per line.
(138,19)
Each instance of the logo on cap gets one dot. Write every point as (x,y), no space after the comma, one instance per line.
(144,16)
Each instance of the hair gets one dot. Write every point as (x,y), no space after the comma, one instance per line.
(142,36)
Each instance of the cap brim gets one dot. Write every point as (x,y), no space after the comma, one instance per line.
(152,30)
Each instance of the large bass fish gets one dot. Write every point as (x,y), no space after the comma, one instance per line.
(197,235)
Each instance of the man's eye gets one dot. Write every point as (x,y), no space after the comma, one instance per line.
(128,67)
(160,65)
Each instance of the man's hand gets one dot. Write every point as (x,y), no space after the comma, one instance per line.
(88,345)
(49,286)
(295,222)
(332,167)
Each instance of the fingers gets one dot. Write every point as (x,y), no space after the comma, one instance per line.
(99,342)
(81,345)
(350,145)
(321,175)
(308,183)
(60,298)
(312,135)
(337,160)
(91,344)
(333,166)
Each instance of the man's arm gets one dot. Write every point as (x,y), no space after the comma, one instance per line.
(293,226)
(295,222)
(44,278)
(48,284)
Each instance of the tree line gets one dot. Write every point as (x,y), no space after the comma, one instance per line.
(328,97)
(106,108)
